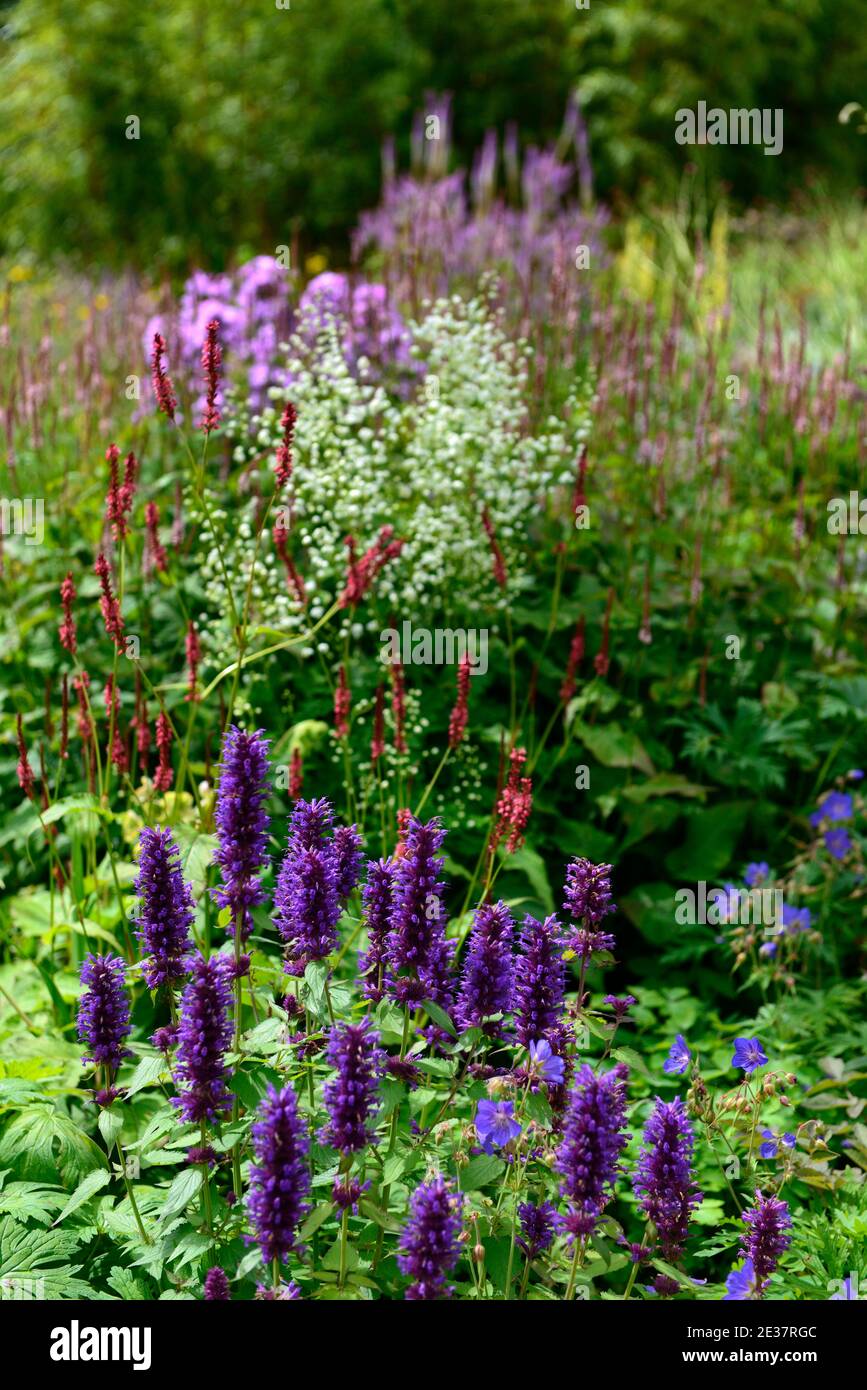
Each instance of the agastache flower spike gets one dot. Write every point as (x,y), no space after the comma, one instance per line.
(242,823)
(216,1286)
(539,1225)
(663,1180)
(377,900)
(588,1158)
(351,1096)
(417,915)
(487,983)
(587,894)
(307,908)
(166,912)
(347,859)
(279,1178)
(766,1240)
(103,1012)
(540,982)
(429,1246)
(205,1032)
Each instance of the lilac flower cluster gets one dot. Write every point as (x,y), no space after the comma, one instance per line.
(351,1095)
(588,1158)
(663,1180)
(279,1179)
(539,1223)
(103,1012)
(166,912)
(429,1247)
(204,1034)
(242,824)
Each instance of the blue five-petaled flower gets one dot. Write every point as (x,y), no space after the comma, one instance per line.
(748,1055)
(677,1060)
(545,1064)
(496,1124)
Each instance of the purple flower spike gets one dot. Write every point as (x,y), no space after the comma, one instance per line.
(280,1180)
(748,1055)
(539,1225)
(347,859)
(205,1033)
(589,1156)
(539,982)
(486,987)
(587,894)
(311,824)
(768,1221)
(242,824)
(377,899)
(217,1286)
(663,1181)
(307,907)
(351,1096)
(677,1060)
(429,1246)
(166,913)
(103,1012)
(418,954)
(495,1124)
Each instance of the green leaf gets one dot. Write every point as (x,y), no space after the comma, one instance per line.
(439,1016)
(41,1143)
(480,1171)
(110,1125)
(93,1183)
(183,1189)
(147,1073)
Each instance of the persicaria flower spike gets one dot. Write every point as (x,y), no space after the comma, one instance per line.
(242,823)
(663,1180)
(514,805)
(496,553)
(166,909)
(351,1096)
(362,572)
(279,1180)
(576,655)
(109,606)
(212,357)
(194,656)
(163,389)
(164,774)
(460,713)
(68,637)
(283,468)
(342,704)
(204,1035)
(24,771)
(103,1012)
(155,550)
(429,1247)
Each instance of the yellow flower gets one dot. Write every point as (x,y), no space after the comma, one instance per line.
(315,264)
(19,273)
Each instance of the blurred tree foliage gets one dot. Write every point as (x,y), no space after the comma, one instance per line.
(256,122)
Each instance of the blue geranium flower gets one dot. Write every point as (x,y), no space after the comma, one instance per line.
(748,1055)
(677,1060)
(756,874)
(496,1124)
(741,1284)
(545,1064)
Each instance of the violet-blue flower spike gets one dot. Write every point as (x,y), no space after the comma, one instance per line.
(538,1226)
(588,1158)
(166,911)
(488,976)
(204,1035)
(311,825)
(216,1286)
(347,859)
(103,1012)
(279,1179)
(377,900)
(587,893)
(663,1180)
(429,1247)
(540,982)
(242,824)
(768,1220)
(416,941)
(307,908)
(351,1097)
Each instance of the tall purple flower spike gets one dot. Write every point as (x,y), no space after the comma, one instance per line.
(588,1158)
(351,1095)
(377,901)
(166,911)
(488,977)
(663,1181)
(540,982)
(429,1247)
(419,955)
(279,1179)
(204,1035)
(103,1011)
(242,824)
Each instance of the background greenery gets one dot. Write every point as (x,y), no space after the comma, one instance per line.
(258,122)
